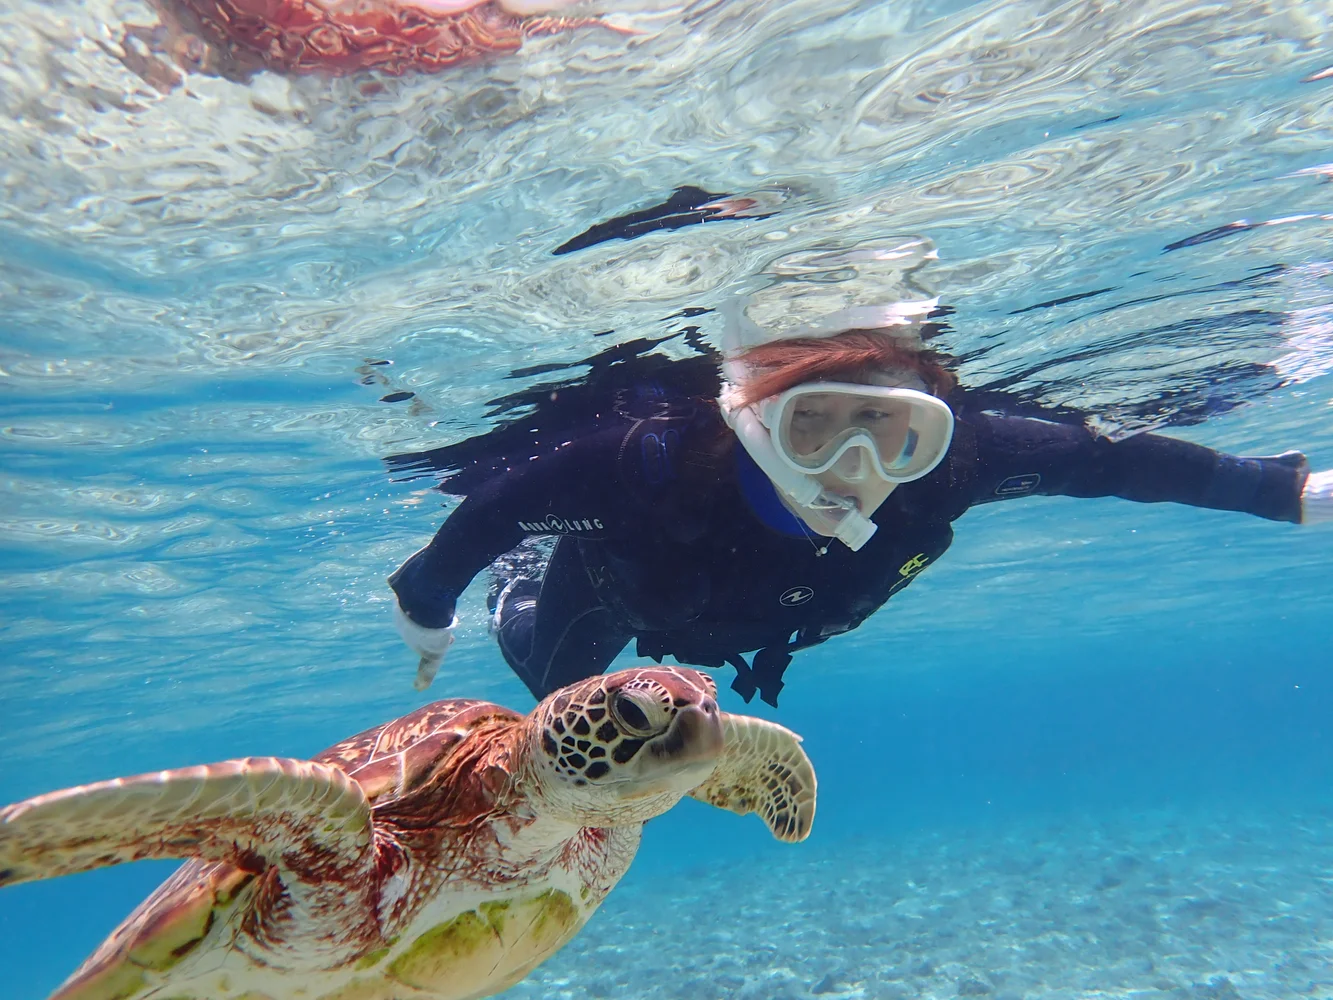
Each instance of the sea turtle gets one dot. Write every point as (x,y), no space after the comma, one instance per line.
(442,855)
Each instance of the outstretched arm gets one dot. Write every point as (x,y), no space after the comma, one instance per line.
(1019,456)
(571,491)
(429,582)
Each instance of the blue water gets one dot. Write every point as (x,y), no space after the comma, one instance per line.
(195,522)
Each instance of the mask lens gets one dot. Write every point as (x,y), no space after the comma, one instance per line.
(898,434)
(818,424)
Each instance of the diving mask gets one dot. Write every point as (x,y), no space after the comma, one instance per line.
(899,434)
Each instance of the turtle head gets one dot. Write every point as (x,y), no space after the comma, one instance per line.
(624,747)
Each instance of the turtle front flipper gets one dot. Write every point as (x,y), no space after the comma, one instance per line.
(301,816)
(763,769)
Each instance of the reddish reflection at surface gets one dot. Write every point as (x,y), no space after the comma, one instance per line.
(237,38)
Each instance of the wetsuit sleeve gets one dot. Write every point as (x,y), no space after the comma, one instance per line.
(1018,456)
(572,491)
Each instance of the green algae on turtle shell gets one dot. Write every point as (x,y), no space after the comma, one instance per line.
(377,988)
(556,908)
(495,914)
(119,982)
(441,946)
(438,954)
(373,958)
(174,939)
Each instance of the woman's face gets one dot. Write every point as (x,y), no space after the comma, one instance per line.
(819,419)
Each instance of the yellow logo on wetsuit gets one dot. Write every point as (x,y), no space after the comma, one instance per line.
(913,566)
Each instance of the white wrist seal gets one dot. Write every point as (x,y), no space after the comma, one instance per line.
(431,644)
(1317,498)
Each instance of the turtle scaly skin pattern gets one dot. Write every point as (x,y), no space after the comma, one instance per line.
(440,856)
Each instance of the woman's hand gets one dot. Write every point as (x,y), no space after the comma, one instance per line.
(431,644)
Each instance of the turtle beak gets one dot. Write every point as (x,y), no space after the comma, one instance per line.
(681,758)
(695,736)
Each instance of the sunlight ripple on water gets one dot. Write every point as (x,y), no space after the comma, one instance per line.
(1124,207)
(193,278)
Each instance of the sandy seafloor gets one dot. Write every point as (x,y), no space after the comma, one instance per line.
(1150,905)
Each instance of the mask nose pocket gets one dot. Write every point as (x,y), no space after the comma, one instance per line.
(853,466)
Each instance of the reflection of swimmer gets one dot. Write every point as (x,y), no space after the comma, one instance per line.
(237,38)
(824,480)
(687,206)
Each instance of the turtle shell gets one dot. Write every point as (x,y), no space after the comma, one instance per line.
(387,761)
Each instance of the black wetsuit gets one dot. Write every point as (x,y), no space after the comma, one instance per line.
(668,533)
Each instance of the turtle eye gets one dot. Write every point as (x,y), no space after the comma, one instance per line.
(631,715)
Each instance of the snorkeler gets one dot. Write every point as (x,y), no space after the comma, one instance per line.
(823,480)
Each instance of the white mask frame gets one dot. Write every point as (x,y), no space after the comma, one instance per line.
(930,425)
(850,526)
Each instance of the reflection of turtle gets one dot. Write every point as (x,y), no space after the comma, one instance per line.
(442,855)
(236,38)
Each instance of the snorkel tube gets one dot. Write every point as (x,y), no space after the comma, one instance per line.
(850,526)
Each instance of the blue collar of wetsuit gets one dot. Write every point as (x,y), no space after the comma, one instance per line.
(763,498)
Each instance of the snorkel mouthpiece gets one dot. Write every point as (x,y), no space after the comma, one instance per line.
(854,529)
(850,526)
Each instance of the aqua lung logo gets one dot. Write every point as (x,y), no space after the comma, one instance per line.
(561,525)
(795,596)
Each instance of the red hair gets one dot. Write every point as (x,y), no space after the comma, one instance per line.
(851,356)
